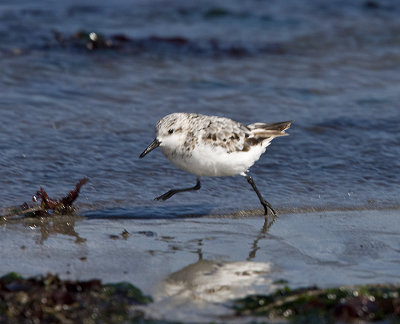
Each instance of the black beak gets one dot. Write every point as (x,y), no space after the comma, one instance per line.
(156,143)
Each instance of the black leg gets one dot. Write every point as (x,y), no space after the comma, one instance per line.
(267,206)
(172,192)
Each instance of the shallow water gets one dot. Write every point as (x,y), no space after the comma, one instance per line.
(68,111)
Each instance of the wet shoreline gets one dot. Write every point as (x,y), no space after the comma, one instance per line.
(196,263)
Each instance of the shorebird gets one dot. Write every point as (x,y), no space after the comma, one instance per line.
(213,146)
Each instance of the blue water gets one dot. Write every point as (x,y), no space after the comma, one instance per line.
(69,111)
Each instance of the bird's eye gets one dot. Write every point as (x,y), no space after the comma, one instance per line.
(171,131)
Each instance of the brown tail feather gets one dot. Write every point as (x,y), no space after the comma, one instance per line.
(281,126)
(270,130)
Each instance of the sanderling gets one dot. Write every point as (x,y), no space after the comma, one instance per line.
(213,146)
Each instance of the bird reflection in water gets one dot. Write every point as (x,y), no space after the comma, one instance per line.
(219,280)
(203,285)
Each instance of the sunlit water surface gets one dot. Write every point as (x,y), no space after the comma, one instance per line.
(68,112)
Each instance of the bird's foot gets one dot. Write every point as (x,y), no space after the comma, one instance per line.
(268,209)
(166,196)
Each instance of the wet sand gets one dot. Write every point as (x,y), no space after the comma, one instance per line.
(193,267)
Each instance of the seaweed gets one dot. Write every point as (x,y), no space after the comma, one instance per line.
(48,299)
(309,305)
(48,206)
(91,41)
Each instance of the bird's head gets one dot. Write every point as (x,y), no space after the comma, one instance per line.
(170,132)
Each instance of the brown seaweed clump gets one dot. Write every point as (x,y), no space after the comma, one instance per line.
(52,300)
(47,205)
(64,205)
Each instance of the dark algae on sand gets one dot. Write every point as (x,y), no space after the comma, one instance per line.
(48,299)
(370,303)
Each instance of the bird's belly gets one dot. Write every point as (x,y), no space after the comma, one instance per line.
(216,163)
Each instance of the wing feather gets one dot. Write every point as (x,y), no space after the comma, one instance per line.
(234,136)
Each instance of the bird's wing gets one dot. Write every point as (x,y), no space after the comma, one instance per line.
(234,136)
(225,133)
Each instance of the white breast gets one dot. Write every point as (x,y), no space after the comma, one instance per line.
(206,160)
